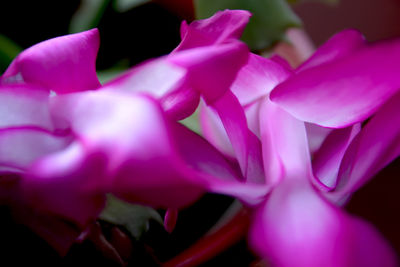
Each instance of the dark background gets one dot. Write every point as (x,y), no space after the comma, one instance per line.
(150,31)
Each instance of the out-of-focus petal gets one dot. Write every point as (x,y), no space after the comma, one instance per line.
(22,105)
(316,136)
(212,69)
(213,130)
(223,26)
(341,45)
(376,146)
(284,144)
(296,227)
(22,146)
(63,64)
(60,234)
(178,79)
(257,78)
(163,80)
(132,134)
(327,159)
(246,145)
(126,135)
(344,91)
(61,184)
(208,165)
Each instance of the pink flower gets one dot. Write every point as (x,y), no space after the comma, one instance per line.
(345,82)
(81,140)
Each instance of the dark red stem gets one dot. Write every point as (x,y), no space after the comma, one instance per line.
(211,245)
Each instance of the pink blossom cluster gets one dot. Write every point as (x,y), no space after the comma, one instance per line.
(291,144)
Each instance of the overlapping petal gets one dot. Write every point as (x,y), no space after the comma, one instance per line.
(257,79)
(375,147)
(120,138)
(23,105)
(223,26)
(351,87)
(296,227)
(341,45)
(179,79)
(329,156)
(284,145)
(62,64)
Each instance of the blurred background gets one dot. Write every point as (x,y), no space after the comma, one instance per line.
(133,32)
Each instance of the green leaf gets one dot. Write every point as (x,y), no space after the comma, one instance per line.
(134,218)
(125,5)
(268,24)
(88,15)
(8,51)
(192,122)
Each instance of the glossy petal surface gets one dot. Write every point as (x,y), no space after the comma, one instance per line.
(375,147)
(351,88)
(63,64)
(296,227)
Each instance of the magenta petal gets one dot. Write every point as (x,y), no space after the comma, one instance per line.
(296,227)
(376,146)
(21,147)
(208,165)
(212,69)
(246,145)
(345,91)
(164,81)
(201,156)
(257,78)
(157,77)
(133,135)
(224,25)
(316,136)
(213,130)
(62,184)
(327,159)
(284,144)
(341,45)
(22,105)
(63,64)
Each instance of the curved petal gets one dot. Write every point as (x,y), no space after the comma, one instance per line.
(212,69)
(178,79)
(224,25)
(22,105)
(61,184)
(131,132)
(316,136)
(257,78)
(246,145)
(327,159)
(345,91)
(221,176)
(341,45)
(63,64)
(20,147)
(296,227)
(376,146)
(163,80)
(213,130)
(284,144)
